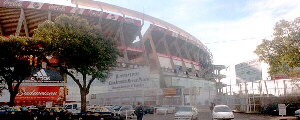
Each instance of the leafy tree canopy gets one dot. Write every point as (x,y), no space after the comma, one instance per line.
(283,52)
(14,61)
(80,46)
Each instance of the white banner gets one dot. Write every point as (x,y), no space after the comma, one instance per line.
(129,79)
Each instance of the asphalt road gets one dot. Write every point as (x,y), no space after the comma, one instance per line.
(206,115)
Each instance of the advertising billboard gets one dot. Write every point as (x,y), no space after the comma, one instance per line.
(172,91)
(248,71)
(44,75)
(40,93)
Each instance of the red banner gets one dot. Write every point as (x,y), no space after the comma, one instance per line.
(40,93)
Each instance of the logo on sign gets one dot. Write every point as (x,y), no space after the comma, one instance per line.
(40,75)
(23,92)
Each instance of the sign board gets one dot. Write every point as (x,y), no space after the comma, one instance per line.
(248,71)
(44,76)
(40,93)
(129,79)
(169,91)
(282,109)
(172,91)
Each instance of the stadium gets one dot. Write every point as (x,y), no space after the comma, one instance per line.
(159,63)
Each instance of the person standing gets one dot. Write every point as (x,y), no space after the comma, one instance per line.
(139,111)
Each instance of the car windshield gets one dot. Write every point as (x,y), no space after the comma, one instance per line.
(117,107)
(24,109)
(165,106)
(98,110)
(11,109)
(68,106)
(222,109)
(184,109)
(109,108)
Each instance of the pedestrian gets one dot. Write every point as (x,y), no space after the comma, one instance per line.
(139,111)
(212,105)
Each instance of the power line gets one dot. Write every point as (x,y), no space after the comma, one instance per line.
(245,39)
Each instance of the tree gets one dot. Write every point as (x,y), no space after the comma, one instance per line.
(14,63)
(283,52)
(78,46)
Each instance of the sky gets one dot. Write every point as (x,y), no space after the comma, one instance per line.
(231,29)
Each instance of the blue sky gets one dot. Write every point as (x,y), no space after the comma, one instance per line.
(231,29)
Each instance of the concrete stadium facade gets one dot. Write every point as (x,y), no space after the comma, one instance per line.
(164,65)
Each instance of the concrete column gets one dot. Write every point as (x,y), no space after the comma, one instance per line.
(22,21)
(179,52)
(142,41)
(49,16)
(168,51)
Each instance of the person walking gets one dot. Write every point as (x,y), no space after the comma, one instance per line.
(139,111)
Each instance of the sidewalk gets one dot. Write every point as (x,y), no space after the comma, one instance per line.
(285,118)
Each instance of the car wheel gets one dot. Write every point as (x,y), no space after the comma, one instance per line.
(196,118)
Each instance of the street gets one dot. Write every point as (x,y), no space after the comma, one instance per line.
(206,115)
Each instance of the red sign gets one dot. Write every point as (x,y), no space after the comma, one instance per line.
(169,91)
(40,93)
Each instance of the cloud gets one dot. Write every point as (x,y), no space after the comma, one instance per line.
(243,24)
(243,35)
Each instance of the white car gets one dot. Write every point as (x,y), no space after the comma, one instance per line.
(222,112)
(161,110)
(297,113)
(186,113)
(122,111)
(167,108)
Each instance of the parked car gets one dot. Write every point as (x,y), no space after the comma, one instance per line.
(272,109)
(121,111)
(222,112)
(73,108)
(164,109)
(100,112)
(2,110)
(13,110)
(161,110)
(186,113)
(297,113)
(54,112)
(149,109)
(170,109)
(113,112)
(291,108)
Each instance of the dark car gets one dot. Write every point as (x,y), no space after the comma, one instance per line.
(149,109)
(113,112)
(291,108)
(272,109)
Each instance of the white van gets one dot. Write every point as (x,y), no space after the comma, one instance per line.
(73,108)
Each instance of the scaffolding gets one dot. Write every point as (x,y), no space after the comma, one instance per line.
(250,97)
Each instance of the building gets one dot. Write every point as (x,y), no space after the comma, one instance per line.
(165,65)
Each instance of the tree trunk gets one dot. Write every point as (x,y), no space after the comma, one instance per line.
(12,97)
(83,100)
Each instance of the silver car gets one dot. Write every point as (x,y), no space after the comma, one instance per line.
(222,112)
(122,111)
(186,113)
